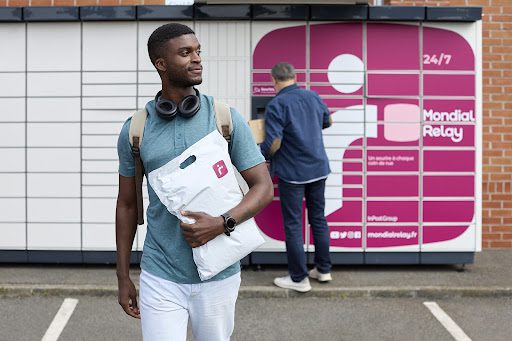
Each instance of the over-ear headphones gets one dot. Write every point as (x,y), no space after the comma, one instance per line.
(187,107)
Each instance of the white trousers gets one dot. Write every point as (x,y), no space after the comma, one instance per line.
(165,308)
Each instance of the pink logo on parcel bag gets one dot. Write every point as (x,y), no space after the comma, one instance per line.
(220,169)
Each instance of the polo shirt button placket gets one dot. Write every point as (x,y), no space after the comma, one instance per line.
(179,133)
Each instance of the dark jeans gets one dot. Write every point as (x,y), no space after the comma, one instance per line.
(291,206)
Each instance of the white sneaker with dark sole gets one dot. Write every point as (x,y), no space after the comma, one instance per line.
(320,276)
(287,283)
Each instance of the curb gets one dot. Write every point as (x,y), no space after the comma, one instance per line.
(22,290)
(377,292)
(48,290)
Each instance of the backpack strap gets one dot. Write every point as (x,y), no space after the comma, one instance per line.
(225,127)
(136,133)
(223,119)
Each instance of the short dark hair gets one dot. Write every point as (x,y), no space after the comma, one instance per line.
(162,35)
(283,71)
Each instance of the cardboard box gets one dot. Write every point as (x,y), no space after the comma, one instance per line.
(258,129)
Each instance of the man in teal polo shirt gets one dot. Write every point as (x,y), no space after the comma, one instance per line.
(171,291)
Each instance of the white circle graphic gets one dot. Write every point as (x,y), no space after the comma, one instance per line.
(346,73)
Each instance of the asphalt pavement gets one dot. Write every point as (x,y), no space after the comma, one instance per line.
(489,276)
(270,319)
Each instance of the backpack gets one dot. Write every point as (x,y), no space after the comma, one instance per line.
(224,126)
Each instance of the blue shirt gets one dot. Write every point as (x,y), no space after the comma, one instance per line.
(166,253)
(297,117)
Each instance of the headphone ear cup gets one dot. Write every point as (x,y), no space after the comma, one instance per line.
(189,106)
(166,109)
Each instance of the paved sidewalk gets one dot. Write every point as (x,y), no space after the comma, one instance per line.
(490,275)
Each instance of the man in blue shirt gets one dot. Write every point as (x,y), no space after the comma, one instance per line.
(293,141)
(171,291)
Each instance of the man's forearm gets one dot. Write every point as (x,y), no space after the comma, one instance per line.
(252,203)
(126,226)
(260,195)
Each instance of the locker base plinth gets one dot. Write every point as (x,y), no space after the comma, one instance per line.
(391,258)
(269,258)
(63,257)
(54,257)
(13,256)
(107,257)
(246,260)
(256,258)
(447,257)
(340,258)
(281,258)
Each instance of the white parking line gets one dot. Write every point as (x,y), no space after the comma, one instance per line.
(60,320)
(450,325)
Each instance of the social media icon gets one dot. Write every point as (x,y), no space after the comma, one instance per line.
(335,235)
(351,235)
(357,234)
(343,235)
(220,169)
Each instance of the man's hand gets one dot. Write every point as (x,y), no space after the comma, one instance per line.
(203,230)
(127,297)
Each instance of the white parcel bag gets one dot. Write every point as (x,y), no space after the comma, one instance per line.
(207,185)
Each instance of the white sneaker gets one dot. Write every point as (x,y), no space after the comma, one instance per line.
(320,276)
(287,283)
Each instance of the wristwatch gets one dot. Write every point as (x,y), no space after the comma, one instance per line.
(229,223)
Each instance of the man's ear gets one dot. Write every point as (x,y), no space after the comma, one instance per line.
(274,82)
(161,65)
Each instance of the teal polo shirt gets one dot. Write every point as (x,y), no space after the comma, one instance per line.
(166,253)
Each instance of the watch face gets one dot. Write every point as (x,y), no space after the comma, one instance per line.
(230,223)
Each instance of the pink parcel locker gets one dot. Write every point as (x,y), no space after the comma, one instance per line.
(352,157)
(385,85)
(395,135)
(269,50)
(448,186)
(328,90)
(435,233)
(446,50)
(342,103)
(449,85)
(350,212)
(322,49)
(448,135)
(268,90)
(393,47)
(352,192)
(455,211)
(387,234)
(391,236)
(266,77)
(399,122)
(392,160)
(355,154)
(449,110)
(401,125)
(449,160)
(343,236)
(392,211)
(397,110)
(392,186)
